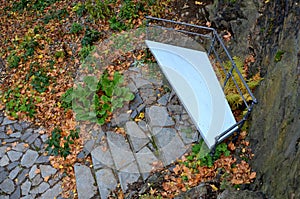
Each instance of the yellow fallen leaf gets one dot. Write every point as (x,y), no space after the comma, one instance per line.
(214,187)
(61,166)
(198,3)
(40,56)
(46,178)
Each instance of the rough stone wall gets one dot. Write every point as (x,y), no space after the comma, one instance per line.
(275,126)
(264,28)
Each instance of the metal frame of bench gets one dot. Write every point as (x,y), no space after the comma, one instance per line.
(217,49)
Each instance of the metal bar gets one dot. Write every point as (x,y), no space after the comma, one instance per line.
(180,23)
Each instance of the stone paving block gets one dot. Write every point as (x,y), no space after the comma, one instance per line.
(4,161)
(14,155)
(3,175)
(137,137)
(32,138)
(37,180)
(29,158)
(14,173)
(101,157)
(128,175)
(4,197)
(21,177)
(84,182)
(7,186)
(169,143)
(7,121)
(40,189)
(164,99)
(20,147)
(12,165)
(158,117)
(2,151)
(47,170)
(120,150)
(188,134)
(140,82)
(16,194)
(25,187)
(53,192)
(106,181)
(32,172)
(15,135)
(145,159)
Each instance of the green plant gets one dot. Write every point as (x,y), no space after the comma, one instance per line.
(86,51)
(200,155)
(56,14)
(98,9)
(90,37)
(79,8)
(40,81)
(29,44)
(58,146)
(114,24)
(96,100)
(110,95)
(16,102)
(37,5)
(76,28)
(278,56)
(232,94)
(13,60)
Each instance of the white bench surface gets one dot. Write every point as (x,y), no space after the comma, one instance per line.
(191,75)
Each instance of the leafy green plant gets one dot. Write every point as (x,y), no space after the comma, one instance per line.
(112,95)
(86,51)
(200,155)
(98,9)
(29,44)
(114,24)
(40,81)
(96,100)
(79,8)
(76,28)
(16,102)
(55,14)
(13,60)
(38,5)
(58,146)
(90,37)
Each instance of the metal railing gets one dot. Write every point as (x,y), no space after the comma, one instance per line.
(218,54)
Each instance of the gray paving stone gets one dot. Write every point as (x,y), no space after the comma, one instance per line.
(175,109)
(188,134)
(84,182)
(38,143)
(137,137)
(148,95)
(7,186)
(25,187)
(2,151)
(42,159)
(37,180)
(12,165)
(3,175)
(15,135)
(140,82)
(47,170)
(40,189)
(18,127)
(10,140)
(32,138)
(102,158)
(121,119)
(4,161)
(145,159)
(31,196)
(14,173)
(170,144)
(164,99)
(88,146)
(53,192)
(128,175)
(21,177)
(158,117)
(20,147)
(136,102)
(3,135)
(25,124)
(32,172)
(29,158)
(44,137)
(27,133)
(106,182)
(120,150)
(7,121)
(14,155)
(4,197)
(143,125)
(16,194)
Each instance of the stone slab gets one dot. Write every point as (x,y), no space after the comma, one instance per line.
(145,159)
(84,182)
(137,137)
(128,175)
(106,181)
(158,117)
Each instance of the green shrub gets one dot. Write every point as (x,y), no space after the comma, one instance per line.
(76,28)
(86,51)
(98,9)
(13,60)
(90,37)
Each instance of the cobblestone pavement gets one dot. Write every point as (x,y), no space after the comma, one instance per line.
(151,142)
